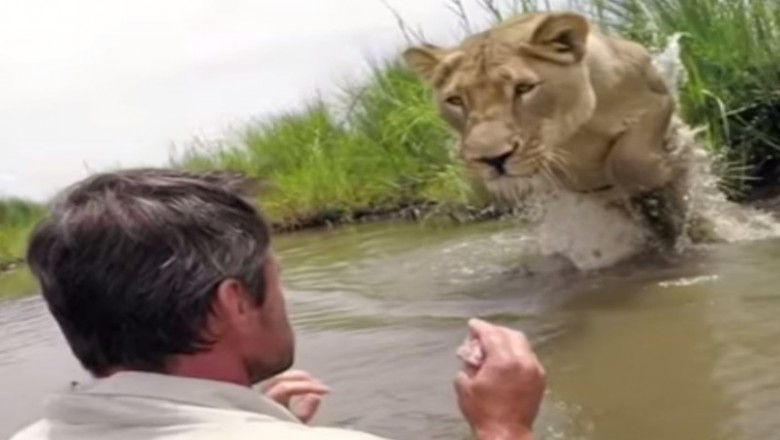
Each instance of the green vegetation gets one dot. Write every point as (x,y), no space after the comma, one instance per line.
(17,218)
(388,150)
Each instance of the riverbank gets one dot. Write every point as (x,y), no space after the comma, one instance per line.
(416,211)
(17,218)
(381,150)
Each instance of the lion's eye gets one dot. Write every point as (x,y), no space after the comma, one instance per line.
(456,101)
(523,88)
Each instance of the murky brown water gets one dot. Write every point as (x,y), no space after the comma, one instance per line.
(688,349)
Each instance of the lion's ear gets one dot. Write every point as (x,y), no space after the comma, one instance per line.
(562,36)
(424,59)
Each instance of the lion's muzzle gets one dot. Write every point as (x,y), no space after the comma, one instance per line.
(498,163)
(491,144)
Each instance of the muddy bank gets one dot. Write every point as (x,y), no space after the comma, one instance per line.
(410,212)
(413,211)
(7,266)
(766,199)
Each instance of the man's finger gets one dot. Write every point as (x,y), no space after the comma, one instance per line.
(492,338)
(284,391)
(292,375)
(307,407)
(461,384)
(519,345)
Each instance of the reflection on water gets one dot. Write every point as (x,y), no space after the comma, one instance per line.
(680,349)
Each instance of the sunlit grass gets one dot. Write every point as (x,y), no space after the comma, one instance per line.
(382,147)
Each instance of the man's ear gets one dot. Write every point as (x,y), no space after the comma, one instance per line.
(424,59)
(232,303)
(562,37)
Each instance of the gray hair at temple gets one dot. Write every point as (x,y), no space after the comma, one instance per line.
(129,261)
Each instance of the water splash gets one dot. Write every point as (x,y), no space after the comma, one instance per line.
(668,63)
(707,204)
(595,232)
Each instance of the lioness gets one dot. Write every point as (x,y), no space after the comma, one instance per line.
(548,94)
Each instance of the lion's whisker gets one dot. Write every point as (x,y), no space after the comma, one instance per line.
(550,175)
(562,164)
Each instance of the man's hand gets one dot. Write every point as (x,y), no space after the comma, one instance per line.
(500,399)
(284,387)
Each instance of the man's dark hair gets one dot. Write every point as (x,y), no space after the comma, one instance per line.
(129,262)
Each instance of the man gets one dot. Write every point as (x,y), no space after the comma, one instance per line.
(168,292)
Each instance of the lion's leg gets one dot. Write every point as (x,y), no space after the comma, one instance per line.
(639,165)
(638,162)
(662,211)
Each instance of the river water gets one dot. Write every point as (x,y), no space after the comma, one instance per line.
(687,348)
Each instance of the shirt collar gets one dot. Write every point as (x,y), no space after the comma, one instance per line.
(185,390)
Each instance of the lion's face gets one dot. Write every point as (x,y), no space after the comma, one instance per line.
(512,93)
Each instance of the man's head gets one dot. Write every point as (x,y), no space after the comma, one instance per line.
(143,268)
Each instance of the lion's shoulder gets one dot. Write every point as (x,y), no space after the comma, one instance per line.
(618,65)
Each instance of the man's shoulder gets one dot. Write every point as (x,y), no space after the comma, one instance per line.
(246,430)
(302,432)
(341,433)
(36,431)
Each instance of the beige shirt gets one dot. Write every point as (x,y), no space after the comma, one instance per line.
(146,406)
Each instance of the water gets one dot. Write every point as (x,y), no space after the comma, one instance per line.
(679,349)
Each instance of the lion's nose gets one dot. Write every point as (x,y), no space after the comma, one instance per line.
(497,162)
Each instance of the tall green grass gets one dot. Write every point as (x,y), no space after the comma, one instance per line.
(731,50)
(17,218)
(381,146)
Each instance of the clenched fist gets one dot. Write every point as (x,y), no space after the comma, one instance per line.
(500,397)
